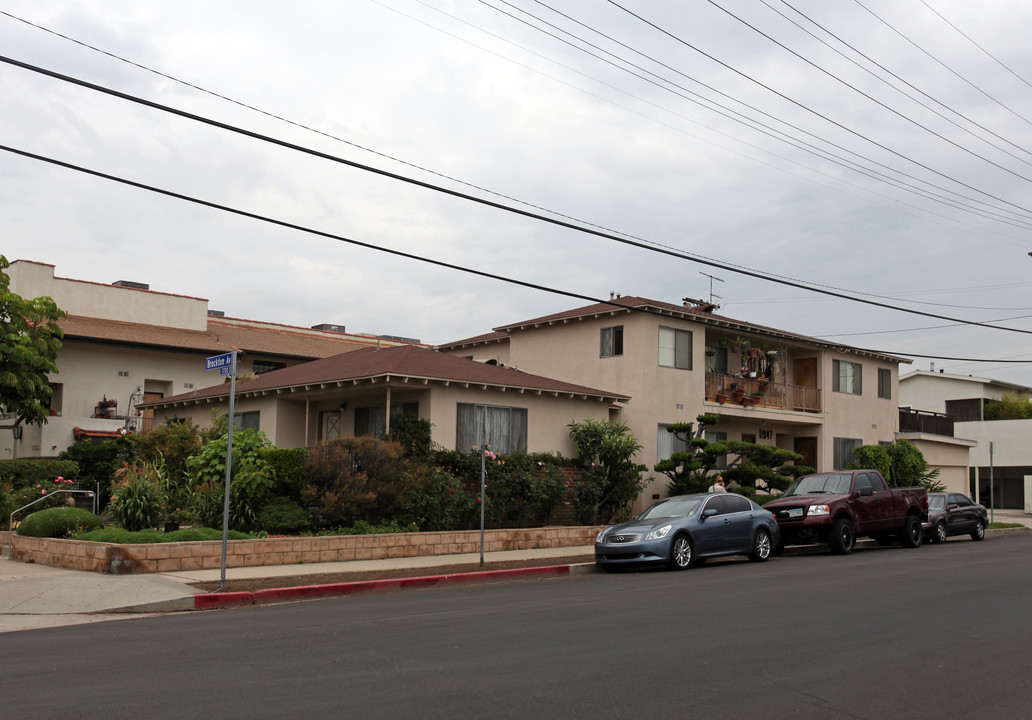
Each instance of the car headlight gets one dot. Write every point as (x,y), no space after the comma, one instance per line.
(659,533)
(818,510)
(598,538)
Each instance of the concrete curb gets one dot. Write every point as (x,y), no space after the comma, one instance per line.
(216,600)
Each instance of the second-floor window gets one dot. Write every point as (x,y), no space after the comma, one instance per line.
(846,377)
(884,383)
(611,341)
(675,348)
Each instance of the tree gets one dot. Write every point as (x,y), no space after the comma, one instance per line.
(29,342)
(900,463)
(605,450)
(749,464)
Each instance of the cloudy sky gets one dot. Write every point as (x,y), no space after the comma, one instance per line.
(877,149)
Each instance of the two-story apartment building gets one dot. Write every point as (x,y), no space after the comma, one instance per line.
(675,362)
(125,344)
(1000,453)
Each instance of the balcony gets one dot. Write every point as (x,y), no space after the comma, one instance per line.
(919,421)
(762,393)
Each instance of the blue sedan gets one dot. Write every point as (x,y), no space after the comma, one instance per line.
(684,530)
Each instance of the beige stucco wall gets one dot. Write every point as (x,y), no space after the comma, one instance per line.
(78,297)
(865,417)
(283,417)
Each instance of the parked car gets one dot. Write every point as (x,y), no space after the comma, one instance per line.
(952,514)
(684,530)
(837,507)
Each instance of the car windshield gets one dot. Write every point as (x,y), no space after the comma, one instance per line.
(674,507)
(831,483)
(936,502)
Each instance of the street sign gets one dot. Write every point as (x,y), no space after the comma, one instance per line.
(217,362)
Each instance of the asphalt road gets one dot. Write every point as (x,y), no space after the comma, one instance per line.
(884,633)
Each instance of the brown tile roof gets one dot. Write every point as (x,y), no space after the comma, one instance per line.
(222,335)
(478,340)
(411,362)
(691,312)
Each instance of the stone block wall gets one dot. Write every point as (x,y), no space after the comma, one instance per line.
(170,557)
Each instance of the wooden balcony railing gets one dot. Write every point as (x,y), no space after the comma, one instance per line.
(761,392)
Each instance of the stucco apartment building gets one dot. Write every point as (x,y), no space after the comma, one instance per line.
(674,362)
(1004,478)
(125,344)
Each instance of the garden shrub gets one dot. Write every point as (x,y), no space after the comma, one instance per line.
(355,478)
(26,472)
(441,502)
(124,537)
(172,443)
(283,515)
(289,466)
(414,434)
(136,496)
(58,522)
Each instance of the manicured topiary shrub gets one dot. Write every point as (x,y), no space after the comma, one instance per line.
(58,522)
(124,537)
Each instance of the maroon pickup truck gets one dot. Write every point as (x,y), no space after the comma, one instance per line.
(836,507)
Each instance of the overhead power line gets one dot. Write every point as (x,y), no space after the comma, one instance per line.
(420,258)
(488,203)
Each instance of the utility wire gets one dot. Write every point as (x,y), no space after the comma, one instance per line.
(940,62)
(432,261)
(482,201)
(877,64)
(756,125)
(814,112)
(876,101)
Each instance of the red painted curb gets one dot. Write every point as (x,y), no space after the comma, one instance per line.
(211,601)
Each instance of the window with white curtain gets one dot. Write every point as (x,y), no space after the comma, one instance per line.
(843,451)
(611,341)
(846,377)
(675,348)
(505,428)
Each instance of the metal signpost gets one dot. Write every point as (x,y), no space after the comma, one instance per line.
(226,365)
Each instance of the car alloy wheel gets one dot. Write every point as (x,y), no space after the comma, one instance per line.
(681,553)
(761,547)
(940,533)
(979,532)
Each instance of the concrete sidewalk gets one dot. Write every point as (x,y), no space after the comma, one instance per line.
(33,596)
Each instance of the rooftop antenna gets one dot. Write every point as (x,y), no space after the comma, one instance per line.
(711,279)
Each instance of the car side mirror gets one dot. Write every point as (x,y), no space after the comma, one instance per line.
(708,513)
(866,491)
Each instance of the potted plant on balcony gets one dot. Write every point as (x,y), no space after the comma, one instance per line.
(721,397)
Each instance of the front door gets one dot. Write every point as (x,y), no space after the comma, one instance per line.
(807,447)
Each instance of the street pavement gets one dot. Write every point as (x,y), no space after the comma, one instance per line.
(38,596)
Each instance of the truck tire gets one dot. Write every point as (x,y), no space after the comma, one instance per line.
(911,535)
(842,537)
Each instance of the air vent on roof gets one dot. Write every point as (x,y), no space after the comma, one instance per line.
(328,327)
(217,313)
(131,284)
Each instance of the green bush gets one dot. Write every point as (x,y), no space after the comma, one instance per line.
(441,502)
(28,472)
(356,478)
(289,466)
(136,497)
(124,537)
(283,515)
(58,522)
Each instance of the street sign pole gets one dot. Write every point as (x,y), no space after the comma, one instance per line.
(229,468)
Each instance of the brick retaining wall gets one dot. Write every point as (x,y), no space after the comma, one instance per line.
(169,557)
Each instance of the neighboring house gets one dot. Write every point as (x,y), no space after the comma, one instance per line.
(357,393)
(675,362)
(124,344)
(1001,454)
